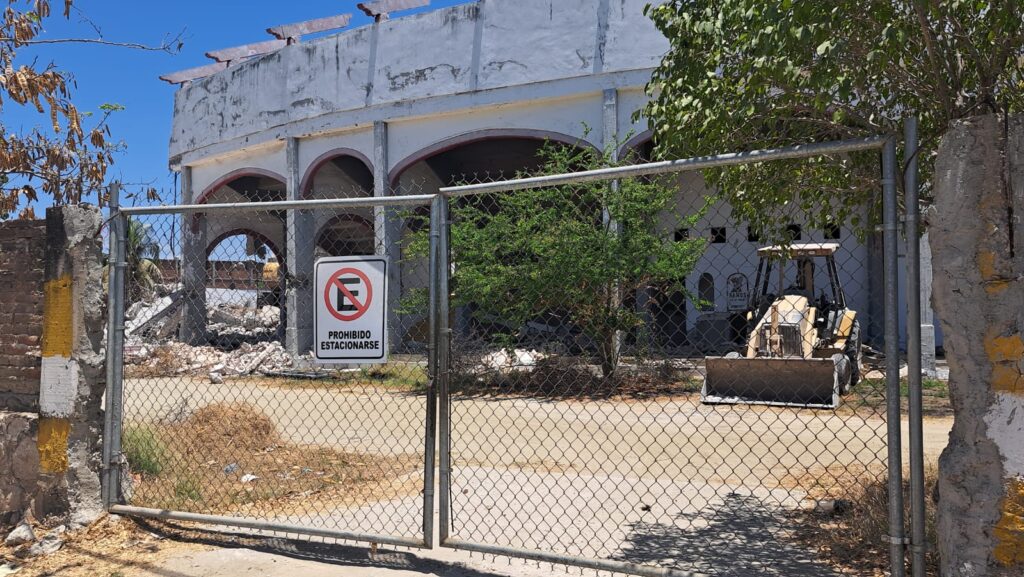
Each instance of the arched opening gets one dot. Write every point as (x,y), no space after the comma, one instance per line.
(345,235)
(481,156)
(232,263)
(245,273)
(339,173)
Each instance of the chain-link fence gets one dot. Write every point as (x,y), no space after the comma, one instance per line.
(626,375)
(225,411)
(640,381)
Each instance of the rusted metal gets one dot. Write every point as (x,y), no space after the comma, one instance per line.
(300,29)
(246,51)
(193,73)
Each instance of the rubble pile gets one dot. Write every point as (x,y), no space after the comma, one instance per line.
(243,340)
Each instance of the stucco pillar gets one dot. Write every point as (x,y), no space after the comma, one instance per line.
(299,252)
(193,268)
(978,253)
(927,317)
(387,229)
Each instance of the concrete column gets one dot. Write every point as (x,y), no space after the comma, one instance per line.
(193,268)
(73,363)
(610,144)
(978,252)
(927,317)
(387,230)
(300,242)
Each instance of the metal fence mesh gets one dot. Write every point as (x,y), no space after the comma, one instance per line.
(221,419)
(634,374)
(580,424)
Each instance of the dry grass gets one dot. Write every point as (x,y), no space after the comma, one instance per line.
(204,464)
(111,546)
(164,362)
(851,537)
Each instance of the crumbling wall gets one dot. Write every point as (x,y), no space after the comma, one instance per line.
(977,241)
(22,248)
(61,472)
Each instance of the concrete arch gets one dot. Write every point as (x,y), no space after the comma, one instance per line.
(235,175)
(338,219)
(635,142)
(306,186)
(213,244)
(475,136)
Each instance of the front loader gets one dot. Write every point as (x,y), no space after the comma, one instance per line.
(802,350)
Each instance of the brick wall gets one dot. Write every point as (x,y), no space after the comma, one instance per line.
(22,253)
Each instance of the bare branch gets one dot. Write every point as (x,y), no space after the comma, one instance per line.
(172,46)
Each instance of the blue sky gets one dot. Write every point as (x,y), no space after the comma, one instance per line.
(130,77)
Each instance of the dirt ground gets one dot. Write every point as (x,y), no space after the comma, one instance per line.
(665,481)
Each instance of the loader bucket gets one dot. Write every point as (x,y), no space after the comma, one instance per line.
(786,382)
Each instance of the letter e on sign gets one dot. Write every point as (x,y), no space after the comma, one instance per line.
(350,324)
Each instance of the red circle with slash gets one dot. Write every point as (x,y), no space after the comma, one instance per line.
(335,283)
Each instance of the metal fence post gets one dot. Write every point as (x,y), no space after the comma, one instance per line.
(897,536)
(443,352)
(115,352)
(432,364)
(917,498)
(113,205)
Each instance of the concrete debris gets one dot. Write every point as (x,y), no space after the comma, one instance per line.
(21,534)
(47,545)
(183,359)
(518,360)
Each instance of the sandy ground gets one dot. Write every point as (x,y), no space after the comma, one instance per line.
(667,482)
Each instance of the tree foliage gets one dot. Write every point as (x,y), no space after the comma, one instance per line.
(744,74)
(571,252)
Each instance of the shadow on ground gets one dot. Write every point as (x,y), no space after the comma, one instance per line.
(740,538)
(330,553)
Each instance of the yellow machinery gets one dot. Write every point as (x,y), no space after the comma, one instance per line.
(802,350)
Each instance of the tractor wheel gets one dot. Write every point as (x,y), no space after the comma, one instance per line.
(852,352)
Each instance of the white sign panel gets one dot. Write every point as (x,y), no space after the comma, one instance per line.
(351,310)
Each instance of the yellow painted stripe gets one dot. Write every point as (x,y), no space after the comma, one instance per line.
(57,327)
(1005,352)
(53,444)
(1009,531)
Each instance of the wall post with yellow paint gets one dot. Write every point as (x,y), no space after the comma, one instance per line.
(72,378)
(977,239)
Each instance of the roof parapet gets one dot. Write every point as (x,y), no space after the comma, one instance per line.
(246,51)
(184,76)
(294,32)
(379,9)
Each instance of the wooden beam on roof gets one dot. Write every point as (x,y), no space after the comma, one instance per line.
(194,73)
(246,51)
(300,29)
(381,8)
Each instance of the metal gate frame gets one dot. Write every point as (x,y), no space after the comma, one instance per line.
(113,458)
(437,421)
(897,539)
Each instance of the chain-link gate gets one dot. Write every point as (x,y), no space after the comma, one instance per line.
(221,415)
(623,375)
(637,384)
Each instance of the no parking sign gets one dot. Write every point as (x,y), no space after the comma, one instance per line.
(351,310)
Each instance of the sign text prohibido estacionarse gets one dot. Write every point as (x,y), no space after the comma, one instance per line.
(351,310)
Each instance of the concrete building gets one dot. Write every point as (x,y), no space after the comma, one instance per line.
(413,103)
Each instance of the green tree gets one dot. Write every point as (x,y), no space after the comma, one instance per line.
(573,250)
(743,74)
(141,253)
